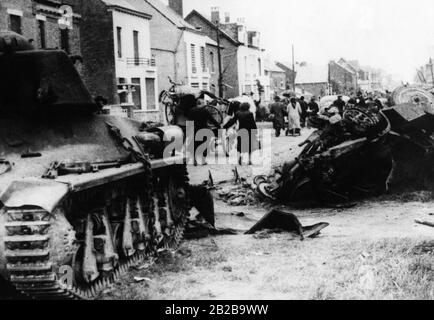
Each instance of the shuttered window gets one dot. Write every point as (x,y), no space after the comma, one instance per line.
(193,58)
(202,58)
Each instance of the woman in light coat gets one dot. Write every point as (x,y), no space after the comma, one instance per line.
(294,113)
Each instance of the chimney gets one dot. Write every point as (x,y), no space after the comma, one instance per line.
(177,6)
(227,17)
(215,15)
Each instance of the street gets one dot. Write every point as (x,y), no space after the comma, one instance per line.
(374,250)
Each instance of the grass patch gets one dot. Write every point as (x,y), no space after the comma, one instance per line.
(391,270)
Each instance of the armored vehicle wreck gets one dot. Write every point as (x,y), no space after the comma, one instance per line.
(366,153)
(83,196)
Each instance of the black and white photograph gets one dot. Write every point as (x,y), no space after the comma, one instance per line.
(227,152)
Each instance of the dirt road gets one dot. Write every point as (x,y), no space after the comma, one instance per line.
(372,251)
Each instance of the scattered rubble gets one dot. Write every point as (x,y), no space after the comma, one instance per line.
(425,223)
(141,279)
(280,221)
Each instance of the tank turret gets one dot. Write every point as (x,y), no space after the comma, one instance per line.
(13,42)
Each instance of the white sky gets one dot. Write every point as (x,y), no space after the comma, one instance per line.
(395,35)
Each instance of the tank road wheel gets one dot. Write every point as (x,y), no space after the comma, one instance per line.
(44,256)
(171,208)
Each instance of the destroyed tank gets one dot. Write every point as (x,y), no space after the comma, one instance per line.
(367,153)
(83,195)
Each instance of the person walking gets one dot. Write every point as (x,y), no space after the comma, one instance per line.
(340,104)
(277,114)
(245,121)
(201,117)
(294,113)
(303,105)
(312,113)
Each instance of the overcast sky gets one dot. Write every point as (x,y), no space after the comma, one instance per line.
(397,35)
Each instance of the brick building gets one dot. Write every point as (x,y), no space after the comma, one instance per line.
(118,63)
(229,52)
(343,77)
(38,21)
(242,56)
(277,78)
(289,73)
(181,51)
(313,79)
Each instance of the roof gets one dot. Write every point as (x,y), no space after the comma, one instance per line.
(207,20)
(211,42)
(284,66)
(170,14)
(355,64)
(312,74)
(346,66)
(271,66)
(131,6)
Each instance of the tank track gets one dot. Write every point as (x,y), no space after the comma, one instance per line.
(28,251)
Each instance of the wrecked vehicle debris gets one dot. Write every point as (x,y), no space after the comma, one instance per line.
(279,221)
(367,153)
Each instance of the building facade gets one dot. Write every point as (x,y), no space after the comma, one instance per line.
(242,56)
(229,52)
(118,63)
(181,51)
(41,22)
(343,78)
(289,73)
(313,79)
(277,78)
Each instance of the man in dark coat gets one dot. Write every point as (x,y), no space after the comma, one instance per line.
(340,104)
(200,116)
(303,105)
(246,121)
(277,113)
(361,100)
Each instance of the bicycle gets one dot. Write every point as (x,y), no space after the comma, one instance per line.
(171,99)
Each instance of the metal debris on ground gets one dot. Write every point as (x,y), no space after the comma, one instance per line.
(237,195)
(144,266)
(227,269)
(425,223)
(199,230)
(279,221)
(141,279)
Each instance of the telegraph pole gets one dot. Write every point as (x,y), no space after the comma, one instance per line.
(293,70)
(219,57)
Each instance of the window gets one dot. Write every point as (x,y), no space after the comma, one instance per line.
(64,40)
(150,94)
(211,58)
(41,28)
(248,89)
(193,58)
(195,85)
(119,41)
(15,23)
(137,93)
(123,98)
(136,47)
(205,86)
(202,58)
